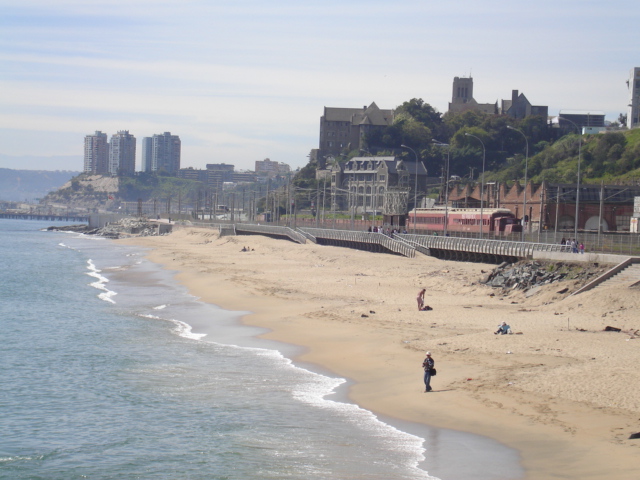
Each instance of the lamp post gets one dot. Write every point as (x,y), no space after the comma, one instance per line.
(484,152)
(415,189)
(575,226)
(526,165)
(446,187)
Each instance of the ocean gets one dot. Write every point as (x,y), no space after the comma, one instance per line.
(111,369)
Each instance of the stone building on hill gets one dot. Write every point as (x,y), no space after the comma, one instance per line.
(520,107)
(462,98)
(344,129)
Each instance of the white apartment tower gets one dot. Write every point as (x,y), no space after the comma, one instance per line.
(96,153)
(122,153)
(161,153)
(633,113)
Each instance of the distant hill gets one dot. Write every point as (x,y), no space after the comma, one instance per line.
(29,185)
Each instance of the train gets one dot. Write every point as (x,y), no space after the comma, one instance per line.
(498,221)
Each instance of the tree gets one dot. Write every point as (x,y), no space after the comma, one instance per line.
(622,119)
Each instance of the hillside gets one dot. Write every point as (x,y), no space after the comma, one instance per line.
(29,185)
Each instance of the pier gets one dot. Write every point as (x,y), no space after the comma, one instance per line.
(45,217)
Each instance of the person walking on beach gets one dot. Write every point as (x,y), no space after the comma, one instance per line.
(428,365)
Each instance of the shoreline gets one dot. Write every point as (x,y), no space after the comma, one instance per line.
(518,400)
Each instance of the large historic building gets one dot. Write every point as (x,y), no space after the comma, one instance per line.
(518,106)
(384,185)
(344,129)
(462,98)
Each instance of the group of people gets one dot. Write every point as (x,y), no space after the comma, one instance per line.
(576,247)
(388,232)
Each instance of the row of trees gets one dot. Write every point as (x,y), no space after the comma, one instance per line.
(552,155)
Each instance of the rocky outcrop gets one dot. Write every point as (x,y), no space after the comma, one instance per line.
(528,275)
(126,227)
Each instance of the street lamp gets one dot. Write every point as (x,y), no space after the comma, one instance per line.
(526,165)
(446,187)
(415,190)
(575,226)
(481,182)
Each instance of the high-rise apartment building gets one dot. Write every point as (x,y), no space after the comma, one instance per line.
(161,153)
(96,153)
(267,167)
(147,159)
(122,153)
(633,112)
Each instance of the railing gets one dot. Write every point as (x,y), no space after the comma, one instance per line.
(227,230)
(272,230)
(45,217)
(402,248)
(546,241)
(607,275)
(482,246)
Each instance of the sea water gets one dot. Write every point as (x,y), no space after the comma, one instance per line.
(110,369)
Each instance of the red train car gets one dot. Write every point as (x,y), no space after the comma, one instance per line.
(499,221)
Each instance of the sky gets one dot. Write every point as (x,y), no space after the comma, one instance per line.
(245,80)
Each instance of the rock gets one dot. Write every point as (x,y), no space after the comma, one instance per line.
(531,292)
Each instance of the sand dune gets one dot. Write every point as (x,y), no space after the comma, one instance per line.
(563,392)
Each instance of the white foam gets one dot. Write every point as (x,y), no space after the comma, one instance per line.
(100,283)
(160,307)
(317,387)
(181,328)
(184,330)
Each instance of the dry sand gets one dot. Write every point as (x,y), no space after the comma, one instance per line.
(564,393)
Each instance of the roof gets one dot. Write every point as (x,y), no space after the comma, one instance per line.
(581,112)
(392,164)
(371,115)
(591,193)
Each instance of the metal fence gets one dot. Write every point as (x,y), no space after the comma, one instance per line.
(623,243)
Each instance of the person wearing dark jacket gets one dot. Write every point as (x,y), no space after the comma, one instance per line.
(428,365)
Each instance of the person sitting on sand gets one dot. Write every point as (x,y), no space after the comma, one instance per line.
(503,329)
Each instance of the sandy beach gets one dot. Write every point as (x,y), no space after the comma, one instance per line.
(561,391)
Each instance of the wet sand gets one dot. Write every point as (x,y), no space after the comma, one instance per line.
(564,393)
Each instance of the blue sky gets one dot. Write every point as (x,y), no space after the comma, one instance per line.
(245,80)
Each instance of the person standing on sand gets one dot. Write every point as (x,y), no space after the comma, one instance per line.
(420,298)
(428,365)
